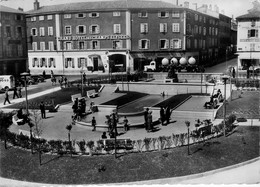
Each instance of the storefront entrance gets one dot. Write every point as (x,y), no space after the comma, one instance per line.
(117,63)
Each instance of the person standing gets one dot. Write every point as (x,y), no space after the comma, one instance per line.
(168,115)
(20,91)
(15,93)
(42,108)
(7,97)
(149,121)
(162,115)
(126,126)
(93,123)
(44,74)
(233,72)
(145,118)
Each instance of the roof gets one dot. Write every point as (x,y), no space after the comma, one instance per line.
(103,6)
(251,15)
(10,10)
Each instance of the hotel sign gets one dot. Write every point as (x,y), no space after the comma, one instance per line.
(250,40)
(99,37)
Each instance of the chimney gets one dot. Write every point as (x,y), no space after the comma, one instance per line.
(36,5)
(216,9)
(186,4)
(21,9)
(177,2)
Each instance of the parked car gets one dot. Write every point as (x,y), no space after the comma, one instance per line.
(29,81)
(38,78)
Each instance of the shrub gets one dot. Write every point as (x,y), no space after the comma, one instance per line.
(82,145)
(147,143)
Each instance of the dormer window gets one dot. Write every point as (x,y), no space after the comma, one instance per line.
(163,14)
(80,15)
(93,15)
(142,14)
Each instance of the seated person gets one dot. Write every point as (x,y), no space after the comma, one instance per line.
(210,103)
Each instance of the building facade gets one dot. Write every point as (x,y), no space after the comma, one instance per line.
(13,41)
(248,43)
(117,36)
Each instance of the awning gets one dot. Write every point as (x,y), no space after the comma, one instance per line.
(170,54)
(143,55)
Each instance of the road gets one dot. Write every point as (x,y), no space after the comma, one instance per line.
(221,68)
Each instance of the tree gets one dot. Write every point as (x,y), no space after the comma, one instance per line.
(5,123)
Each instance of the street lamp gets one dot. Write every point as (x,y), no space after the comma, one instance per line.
(225,78)
(25,74)
(188,126)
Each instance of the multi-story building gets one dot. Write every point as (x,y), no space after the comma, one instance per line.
(117,35)
(248,42)
(13,41)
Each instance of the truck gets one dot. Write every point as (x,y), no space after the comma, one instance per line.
(151,67)
(6,81)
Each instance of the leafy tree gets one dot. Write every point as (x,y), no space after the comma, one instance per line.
(5,123)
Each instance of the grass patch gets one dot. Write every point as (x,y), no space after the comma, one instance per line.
(216,153)
(129,97)
(60,97)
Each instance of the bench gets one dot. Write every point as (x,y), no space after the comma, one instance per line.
(92,93)
(109,144)
(73,97)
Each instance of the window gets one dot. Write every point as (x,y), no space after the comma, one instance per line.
(43,62)
(19,17)
(34,46)
(176,27)
(144,44)
(117,44)
(67,16)
(252,46)
(51,45)
(51,62)
(19,32)
(216,31)
(252,33)
(81,29)
(200,29)
(81,62)
(200,17)
(209,30)
(80,15)
(94,29)
(8,31)
(94,44)
(195,43)
(196,29)
(41,18)
(69,62)
(196,17)
(67,30)
(42,46)
(49,17)
(143,14)
(50,31)
(33,18)
(68,45)
(81,45)
(144,28)
(42,33)
(175,44)
(117,28)
(34,32)
(188,43)
(163,27)
(213,31)
(20,50)
(163,14)
(116,14)
(163,44)
(204,31)
(176,14)
(35,62)
(188,28)
(204,19)
(93,15)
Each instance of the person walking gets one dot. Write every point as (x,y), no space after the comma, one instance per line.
(42,108)
(145,118)
(7,97)
(15,93)
(93,123)
(65,81)
(162,115)
(126,126)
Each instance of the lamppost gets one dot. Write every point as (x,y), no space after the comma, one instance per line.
(188,126)
(225,78)
(25,74)
(81,72)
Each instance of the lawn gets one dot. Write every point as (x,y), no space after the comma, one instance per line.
(246,106)
(216,153)
(60,97)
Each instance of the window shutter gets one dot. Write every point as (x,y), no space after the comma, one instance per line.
(90,29)
(167,14)
(119,28)
(148,44)
(167,44)
(43,32)
(77,30)
(98,29)
(179,44)
(90,15)
(256,33)
(146,26)
(248,33)
(98,44)
(165,27)
(72,61)
(159,14)
(114,28)
(79,63)
(86,62)
(161,27)
(142,28)
(139,14)
(171,43)
(97,14)
(140,44)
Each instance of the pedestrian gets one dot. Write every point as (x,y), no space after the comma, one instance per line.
(162,115)
(114,122)
(93,123)
(126,126)
(75,106)
(145,118)
(20,91)
(15,93)
(84,77)
(65,81)
(104,136)
(42,108)
(7,96)
(149,121)
(44,74)
(233,73)
(167,115)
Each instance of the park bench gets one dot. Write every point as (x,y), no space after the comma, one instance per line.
(73,97)
(109,144)
(92,93)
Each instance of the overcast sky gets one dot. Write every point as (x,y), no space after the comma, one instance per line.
(230,7)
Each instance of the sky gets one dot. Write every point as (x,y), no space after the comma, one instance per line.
(230,7)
